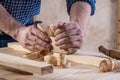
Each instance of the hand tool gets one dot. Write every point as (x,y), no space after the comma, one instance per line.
(110,52)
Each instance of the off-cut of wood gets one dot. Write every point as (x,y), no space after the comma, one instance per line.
(17,46)
(87,60)
(51,59)
(84,59)
(104,64)
(26,65)
(32,56)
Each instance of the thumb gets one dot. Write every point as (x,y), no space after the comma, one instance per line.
(60,24)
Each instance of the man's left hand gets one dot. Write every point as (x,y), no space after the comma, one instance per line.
(68,35)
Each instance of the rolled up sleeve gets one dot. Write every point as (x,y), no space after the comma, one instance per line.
(91,2)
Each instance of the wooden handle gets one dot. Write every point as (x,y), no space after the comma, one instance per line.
(111,53)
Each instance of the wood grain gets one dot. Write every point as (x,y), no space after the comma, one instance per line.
(118,26)
(17,46)
(25,64)
(82,59)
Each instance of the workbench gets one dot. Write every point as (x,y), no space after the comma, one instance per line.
(75,72)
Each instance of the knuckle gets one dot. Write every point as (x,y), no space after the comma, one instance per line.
(75,43)
(37,46)
(62,41)
(44,44)
(59,36)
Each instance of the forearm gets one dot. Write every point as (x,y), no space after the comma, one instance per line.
(80,13)
(8,24)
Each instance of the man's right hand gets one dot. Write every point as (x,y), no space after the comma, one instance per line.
(33,39)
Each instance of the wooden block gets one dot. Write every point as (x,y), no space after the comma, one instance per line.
(32,56)
(26,65)
(7,50)
(17,46)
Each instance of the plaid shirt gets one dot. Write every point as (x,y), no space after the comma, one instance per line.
(24,10)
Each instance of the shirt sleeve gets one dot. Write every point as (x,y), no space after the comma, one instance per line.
(91,2)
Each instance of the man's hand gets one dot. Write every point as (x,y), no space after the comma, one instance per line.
(33,39)
(68,35)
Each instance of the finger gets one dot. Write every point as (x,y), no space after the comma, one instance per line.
(65,34)
(43,44)
(40,34)
(37,47)
(68,26)
(69,39)
(29,42)
(59,25)
(31,48)
(40,43)
(32,37)
(75,44)
(58,31)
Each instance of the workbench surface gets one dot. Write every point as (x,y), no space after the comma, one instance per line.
(76,72)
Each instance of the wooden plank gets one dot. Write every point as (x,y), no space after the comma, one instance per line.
(17,46)
(27,65)
(23,54)
(84,59)
(7,50)
(118,26)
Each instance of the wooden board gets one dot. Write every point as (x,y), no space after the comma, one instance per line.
(17,46)
(23,64)
(118,26)
(76,72)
